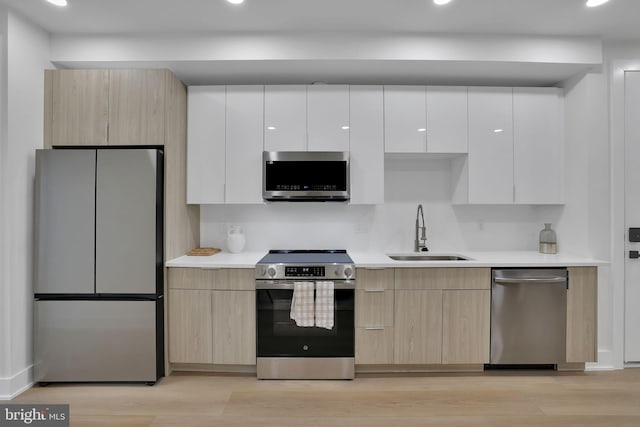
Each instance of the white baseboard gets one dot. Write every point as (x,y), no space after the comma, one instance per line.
(605,362)
(12,386)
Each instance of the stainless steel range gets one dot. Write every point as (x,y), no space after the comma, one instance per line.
(289,347)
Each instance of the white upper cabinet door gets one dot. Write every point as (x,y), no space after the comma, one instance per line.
(538,125)
(405,119)
(367,145)
(328,117)
(206,144)
(244,144)
(285,118)
(447,119)
(490,160)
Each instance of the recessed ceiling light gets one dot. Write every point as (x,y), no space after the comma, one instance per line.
(344,127)
(422,130)
(271,128)
(235,1)
(498,130)
(58,2)
(441,2)
(594,3)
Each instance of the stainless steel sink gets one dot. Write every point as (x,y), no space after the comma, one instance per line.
(427,257)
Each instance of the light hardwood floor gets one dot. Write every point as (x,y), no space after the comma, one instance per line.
(494,398)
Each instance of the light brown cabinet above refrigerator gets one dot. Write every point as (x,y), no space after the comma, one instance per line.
(107,107)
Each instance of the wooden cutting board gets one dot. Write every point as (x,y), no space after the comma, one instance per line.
(203,251)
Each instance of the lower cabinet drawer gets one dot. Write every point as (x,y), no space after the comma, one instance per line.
(374,345)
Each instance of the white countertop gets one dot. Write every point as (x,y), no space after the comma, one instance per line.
(219,260)
(478,259)
(381,260)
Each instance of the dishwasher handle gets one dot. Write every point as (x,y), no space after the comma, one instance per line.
(513,281)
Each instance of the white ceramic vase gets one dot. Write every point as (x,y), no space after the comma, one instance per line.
(235,239)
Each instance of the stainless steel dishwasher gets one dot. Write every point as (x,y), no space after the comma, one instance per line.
(528,316)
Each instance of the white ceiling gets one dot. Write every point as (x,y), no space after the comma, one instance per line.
(348,19)
(615,20)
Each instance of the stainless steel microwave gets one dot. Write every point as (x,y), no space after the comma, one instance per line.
(305,176)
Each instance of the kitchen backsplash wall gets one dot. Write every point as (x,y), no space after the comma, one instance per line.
(389,227)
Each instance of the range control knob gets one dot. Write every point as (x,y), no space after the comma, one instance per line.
(271,271)
(348,272)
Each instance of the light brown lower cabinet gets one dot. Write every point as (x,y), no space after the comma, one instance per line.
(442,316)
(418,327)
(374,316)
(209,324)
(190,326)
(582,315)
(234,327)
(466,326)
(374,345)
(374,326)
(401,316)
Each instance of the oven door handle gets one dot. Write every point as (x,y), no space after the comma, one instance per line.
(288,285)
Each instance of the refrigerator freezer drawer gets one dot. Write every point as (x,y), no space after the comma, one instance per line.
(95,341)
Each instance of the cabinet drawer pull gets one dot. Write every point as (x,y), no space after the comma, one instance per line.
(374,290)
(374,328)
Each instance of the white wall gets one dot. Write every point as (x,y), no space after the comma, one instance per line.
(5,350)
(27,49)
(587,215)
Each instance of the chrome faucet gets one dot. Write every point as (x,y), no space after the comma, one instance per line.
(421,232)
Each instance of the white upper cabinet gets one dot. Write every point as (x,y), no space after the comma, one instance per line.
(328,117)
(206,144)
(447,119)
(538,124)
(285,118)
(514,137)
(244,144)
(516,148)
(490,162)
(367,145)
(405,119)
(224,144)
(430,119)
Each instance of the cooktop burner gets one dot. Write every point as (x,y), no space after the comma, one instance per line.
(306,256)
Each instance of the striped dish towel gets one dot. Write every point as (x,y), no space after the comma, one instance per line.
(324,305)
(302,307)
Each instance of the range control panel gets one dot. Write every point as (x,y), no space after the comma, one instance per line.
(320,272)
(304,271)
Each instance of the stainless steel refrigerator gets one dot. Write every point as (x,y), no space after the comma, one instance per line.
(98,311)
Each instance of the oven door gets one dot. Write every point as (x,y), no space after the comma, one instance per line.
(279,336)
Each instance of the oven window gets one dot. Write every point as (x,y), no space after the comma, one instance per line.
(278,336)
